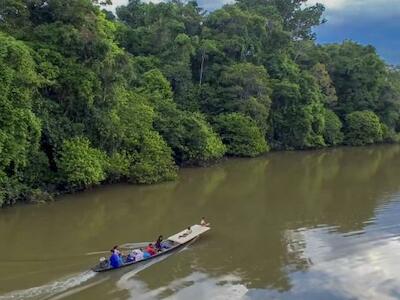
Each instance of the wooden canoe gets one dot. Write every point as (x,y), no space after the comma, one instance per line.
(174,243)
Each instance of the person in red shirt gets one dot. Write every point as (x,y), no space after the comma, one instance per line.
(150,249)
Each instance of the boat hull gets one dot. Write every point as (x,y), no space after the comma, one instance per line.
(100,269)
(176,241)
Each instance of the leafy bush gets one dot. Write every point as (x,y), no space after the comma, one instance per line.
(240,134)
(153,162)
(118,166)
(199,143)
(332,133)
(363,128)
(79,164)
(191,138)
(389,135)
(13,190)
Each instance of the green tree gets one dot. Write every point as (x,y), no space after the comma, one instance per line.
(243,88)
(81,165)
(20,129)
(326,85)
(358,74)
(153,162)
(199,143)
(389,100)
(363,128)
(298,114)
(297,18)
(190,136)
(141,90)
(240,134)
(333,134)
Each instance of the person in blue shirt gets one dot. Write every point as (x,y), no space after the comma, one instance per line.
(115,259)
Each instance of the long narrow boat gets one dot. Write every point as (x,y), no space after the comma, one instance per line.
(173,243)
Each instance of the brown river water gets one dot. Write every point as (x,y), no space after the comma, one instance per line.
(289,225)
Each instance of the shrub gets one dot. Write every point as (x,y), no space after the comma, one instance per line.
(79,164)
(191,138)
(240,134)
(333,134)
(153,163)
(118,166)
(363,128)
(389,135)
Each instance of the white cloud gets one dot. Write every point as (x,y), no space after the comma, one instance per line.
(331,4)
(117,3)
(341,11)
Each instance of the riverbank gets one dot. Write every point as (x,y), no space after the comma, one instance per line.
(90,98)
(43,198)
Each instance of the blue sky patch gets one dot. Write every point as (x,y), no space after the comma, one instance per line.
(369,22)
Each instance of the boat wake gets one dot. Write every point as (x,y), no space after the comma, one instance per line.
(51,289)
(125,282)
(71,285)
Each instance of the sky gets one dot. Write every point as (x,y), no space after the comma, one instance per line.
(372,22)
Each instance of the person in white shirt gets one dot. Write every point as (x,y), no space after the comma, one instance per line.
(204,223)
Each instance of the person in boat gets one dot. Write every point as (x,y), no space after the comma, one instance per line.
(103,262)
(137,254)
(150,249)
(146,254)
(186,233)
(115,259)
(158,243)
(116,250)
(130,258)
(204,223)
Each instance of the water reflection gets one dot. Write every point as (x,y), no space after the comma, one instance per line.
(199,284)
(287,226)
(346,266)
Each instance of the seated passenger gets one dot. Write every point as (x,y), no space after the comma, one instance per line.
(150,249)
(116,250)
(204,223)
(137,254)
(115,259)
(158,243)
(130,258)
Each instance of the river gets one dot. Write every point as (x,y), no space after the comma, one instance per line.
(288,225)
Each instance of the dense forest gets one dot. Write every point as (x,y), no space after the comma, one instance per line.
(90,97)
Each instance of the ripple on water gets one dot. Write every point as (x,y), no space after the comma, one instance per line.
(51,289)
